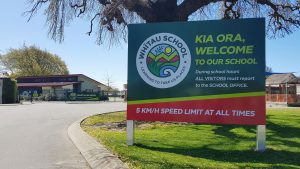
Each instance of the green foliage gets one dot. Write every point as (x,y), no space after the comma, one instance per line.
(173,145)
(9,91)
(103,98)
(32,61)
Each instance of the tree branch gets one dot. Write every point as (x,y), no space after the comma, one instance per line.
(104,2)
(281,15)
(187,7)
(229,12)
(140,7)
(34,8)
(91,24)
(81,7)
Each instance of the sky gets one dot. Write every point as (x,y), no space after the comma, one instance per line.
(83,56)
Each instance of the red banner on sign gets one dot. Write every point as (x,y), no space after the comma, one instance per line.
(238,110)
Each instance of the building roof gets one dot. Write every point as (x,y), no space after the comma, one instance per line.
(22,82)
(70,75)
(45,76)
(91,79)
(276,79)
(50,84)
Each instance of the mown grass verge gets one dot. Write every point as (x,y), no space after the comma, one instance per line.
(179,145)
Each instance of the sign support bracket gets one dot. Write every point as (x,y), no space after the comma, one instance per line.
(261,138)
(130,132)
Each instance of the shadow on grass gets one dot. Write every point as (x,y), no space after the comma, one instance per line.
(283,130)
(225,131)
(247,156)
(276,135)
(161,164)
(275,132)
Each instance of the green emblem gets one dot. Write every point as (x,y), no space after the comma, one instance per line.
(163,60)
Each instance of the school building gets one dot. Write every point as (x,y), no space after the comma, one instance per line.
(284,89)
(56,86)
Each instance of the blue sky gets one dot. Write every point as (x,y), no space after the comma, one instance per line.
(83,55)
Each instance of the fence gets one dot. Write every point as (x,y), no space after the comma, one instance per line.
(289,98)
(68,95)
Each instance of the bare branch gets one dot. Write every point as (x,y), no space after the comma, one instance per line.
(81,7)
(112,16)
(34,9)
(91,24)
(104,2)
(187,7)
(282,16)
(229,12)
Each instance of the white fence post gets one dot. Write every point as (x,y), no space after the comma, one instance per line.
(130,132)
(261,138)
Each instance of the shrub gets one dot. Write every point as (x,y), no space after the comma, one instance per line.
(9,91)
(103,98)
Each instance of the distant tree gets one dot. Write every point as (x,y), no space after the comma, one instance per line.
(116,89)
(2,68)
(268,69)
(32,61)
(109,82)
(110,17)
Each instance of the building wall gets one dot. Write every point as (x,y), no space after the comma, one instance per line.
(298,89)
(88,84)
(69,87)
(284,98)
(281,89)
(1,86)
(46,88)
(282,93)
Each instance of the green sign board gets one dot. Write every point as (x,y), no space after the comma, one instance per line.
(202,72)
(84,96)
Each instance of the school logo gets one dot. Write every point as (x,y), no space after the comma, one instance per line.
(163,60)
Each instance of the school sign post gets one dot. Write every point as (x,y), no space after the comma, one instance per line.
(200,72)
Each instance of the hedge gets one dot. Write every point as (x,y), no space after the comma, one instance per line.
(9,91)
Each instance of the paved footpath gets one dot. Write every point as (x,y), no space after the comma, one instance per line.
(35,136)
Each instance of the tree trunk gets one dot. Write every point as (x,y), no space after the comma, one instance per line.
(165,11)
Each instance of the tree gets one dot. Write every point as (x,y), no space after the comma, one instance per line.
(112,16)
(109,82)
(32,61)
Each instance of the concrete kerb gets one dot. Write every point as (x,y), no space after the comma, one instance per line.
(97,156)
(9,104)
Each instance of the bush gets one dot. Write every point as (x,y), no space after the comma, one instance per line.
(103,98)
(9,91)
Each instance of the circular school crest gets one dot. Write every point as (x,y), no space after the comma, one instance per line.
(163,60)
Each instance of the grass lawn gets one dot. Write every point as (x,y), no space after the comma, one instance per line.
(171,145)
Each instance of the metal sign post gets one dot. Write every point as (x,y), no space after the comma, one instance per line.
(261,138)
(130,132)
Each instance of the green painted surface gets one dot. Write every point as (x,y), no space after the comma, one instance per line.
(223,96)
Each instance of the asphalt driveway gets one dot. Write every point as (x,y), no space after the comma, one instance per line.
(35,136)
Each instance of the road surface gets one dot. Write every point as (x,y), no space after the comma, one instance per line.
(35,136)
